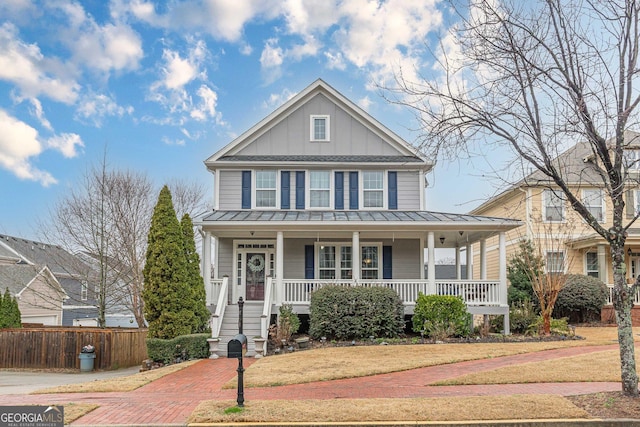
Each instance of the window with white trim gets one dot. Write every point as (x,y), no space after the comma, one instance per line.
(553,203)
(319,189)
(346,262)
(84,291)
(554,262)
(632,159)
(320,129)
(594,202)
(591,264)
(370,262)
(372,189)
(327,262)
(266,182)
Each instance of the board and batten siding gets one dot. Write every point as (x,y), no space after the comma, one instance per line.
(406,260)
(291,136)
(409,187)
(230,189)
(225,258)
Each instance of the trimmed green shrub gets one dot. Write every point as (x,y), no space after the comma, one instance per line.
(185,347)
(441,316)
(338,312)
(581,299)
(558,327)
(522,314)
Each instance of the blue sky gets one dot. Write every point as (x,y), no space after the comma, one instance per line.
(163,85)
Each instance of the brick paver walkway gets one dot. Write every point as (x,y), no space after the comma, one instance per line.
(170,400)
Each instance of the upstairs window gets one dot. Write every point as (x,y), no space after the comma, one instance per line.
(555,262)
(320,129)
(266,189)
(594,202)
(553,206)
(632,159)
(320,189)
(84,291)
(372,189)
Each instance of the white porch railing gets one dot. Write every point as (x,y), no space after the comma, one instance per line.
(212,290)
(636,300)
(221,305)
(266,309)
(473,292)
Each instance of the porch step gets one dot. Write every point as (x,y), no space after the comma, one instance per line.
(252,313)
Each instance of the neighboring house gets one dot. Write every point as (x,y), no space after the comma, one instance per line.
(40,296)
(70,272)
(567,243)
(319,193)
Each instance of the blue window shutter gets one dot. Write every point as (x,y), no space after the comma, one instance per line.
(300,190)
(339,186)
(246,189)
(393,190)
(353,190)
(387,262)
(308,262)
(285,190)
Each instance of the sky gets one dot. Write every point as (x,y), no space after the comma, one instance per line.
(161,86)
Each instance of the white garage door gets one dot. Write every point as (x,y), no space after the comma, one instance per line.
(51,320)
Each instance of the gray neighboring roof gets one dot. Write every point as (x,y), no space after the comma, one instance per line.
(16,277)
(57,259)
(323,159)
(6,253)
(393,216)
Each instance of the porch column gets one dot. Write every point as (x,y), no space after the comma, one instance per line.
(469,261)
(502,263)
(458,267)
(206,259)
(431,266)
(483,259)
(603,274)
(279,267)
(216,270)
(355,249)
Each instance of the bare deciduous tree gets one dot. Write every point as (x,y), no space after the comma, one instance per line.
(535,78)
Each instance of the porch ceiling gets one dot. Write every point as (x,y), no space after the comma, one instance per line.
(451,230)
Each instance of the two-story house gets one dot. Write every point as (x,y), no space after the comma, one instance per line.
(318,193)
(567,243)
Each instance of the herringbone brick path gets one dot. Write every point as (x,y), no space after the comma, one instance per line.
(170,400)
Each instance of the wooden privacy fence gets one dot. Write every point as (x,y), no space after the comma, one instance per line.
(58,348)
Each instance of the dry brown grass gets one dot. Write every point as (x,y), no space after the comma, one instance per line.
(352,362)
(593,367)
(73,411)
(127,383)
(344,410)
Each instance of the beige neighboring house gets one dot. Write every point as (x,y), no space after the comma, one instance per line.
(37,291)
(568,244)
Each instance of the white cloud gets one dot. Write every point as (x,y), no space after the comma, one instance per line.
(18,145)
(365,103)
(67,144)
(169,141)
(271,56)
(96,106)
(25,66)
(178,71)
(335,60)
(277,99)
(207,106)
(39,113)
(113,46)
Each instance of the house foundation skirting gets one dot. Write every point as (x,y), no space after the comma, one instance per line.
(608,315)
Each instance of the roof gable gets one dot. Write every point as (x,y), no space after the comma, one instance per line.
(284,135)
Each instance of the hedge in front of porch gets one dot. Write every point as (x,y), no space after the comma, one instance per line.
(355,312)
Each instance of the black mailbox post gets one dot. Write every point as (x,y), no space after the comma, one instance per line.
(236,347)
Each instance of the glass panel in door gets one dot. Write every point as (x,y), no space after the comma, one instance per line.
(255,275)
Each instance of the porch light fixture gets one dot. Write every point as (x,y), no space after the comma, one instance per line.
(442,240)
(629,252)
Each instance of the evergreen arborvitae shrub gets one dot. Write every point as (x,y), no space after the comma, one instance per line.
(167,294)
(355,312)
(441,316)
(518,271)
(581,299)
(10,316)
(193,276)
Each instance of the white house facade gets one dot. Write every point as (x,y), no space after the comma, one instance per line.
(321,193)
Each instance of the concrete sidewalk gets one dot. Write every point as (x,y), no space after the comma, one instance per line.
(171,399)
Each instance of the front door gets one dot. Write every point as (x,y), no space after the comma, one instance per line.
(256,264)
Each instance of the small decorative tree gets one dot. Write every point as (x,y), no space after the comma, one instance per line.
(10,316)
